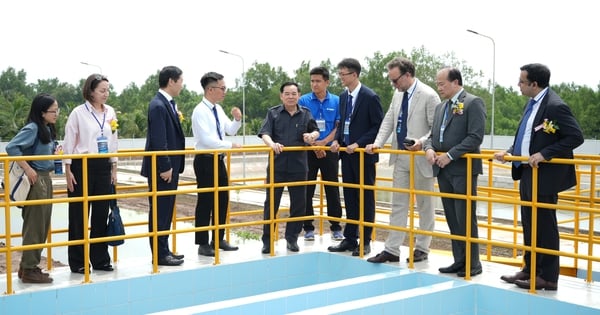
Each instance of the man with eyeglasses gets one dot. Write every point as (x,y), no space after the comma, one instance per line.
(409,120)
(360,114)
(209,126)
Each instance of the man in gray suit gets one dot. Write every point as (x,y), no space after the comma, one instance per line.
(458,128)
(409,118)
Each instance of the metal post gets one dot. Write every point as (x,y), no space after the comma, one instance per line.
(91,65)
(243,108)
(493,84)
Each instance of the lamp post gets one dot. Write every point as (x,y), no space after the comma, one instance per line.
(243,107)
(493,84)
(91,65)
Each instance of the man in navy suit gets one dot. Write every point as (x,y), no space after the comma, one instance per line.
(360,117)
(164,133)
(547,130)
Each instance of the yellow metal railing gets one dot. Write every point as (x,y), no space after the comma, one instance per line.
(582,201)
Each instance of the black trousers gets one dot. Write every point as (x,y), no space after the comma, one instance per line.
(351,174)
(297,204)
(99,182)
(455,211)
(329,167)
(205,205)
(164,207)
(547,266)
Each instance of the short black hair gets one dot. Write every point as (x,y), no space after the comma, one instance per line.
(537,72)
(168,72)
(351,64)
(322,71)
(209,78)
(288,84)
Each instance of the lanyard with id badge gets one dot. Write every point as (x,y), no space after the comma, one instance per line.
(102,141)
(321,120)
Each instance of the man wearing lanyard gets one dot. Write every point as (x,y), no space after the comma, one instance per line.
(458,128)
(209,124)
(324,107)
(409,118)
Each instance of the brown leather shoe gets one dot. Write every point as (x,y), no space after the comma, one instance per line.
(418,255)
(539,284)
(35,275)
(383,257)
(517,276)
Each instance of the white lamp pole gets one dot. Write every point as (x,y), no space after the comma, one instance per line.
(243,106)
(91,65)
(493,84)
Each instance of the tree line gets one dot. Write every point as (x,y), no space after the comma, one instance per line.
(262,82)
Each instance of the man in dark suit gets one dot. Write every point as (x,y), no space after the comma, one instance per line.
(164,133)
(360,116)
(458,129)
(547,130)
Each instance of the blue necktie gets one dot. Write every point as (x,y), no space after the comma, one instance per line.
(402,121)
(173,106)
(521,133)
(214,109)
(445,119)
(349,109)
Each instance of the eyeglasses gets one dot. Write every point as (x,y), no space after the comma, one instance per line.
(56,112)
(341,74)
(396,79)
(222,88)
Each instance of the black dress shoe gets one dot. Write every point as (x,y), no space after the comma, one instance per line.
(384,257)
(474,271)
(293,246)
(344,245)
(107,267)
(454,268)
(366,250)
(539,284)
(517,276)
(206,250)
(266,249)
(80,270)
(177,256)
(224,245)
(169,261)
(418,255)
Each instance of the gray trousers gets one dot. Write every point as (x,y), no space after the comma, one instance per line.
(400,203)
(36,220)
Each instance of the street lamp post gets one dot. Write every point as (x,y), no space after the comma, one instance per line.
(91,65)
(493,84)
(243,107)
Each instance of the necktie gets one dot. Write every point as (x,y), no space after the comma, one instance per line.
(173,106)
(445,119)
(214,109)
(349,109)
(521,132)
(402,120)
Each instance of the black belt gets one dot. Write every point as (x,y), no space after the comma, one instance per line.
(210,156)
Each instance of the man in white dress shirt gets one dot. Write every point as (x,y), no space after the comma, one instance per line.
(209,125)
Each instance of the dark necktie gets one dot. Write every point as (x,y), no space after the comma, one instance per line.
(214,109)
(173,106)
(402,120)
(445,119)
(521,132)
(349,109)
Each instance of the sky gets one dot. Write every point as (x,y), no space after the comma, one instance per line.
(130,40)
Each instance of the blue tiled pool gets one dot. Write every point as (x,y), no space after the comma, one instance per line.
(310,283)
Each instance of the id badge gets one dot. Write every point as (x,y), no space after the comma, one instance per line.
(346,127)
(321,124)
(102,144)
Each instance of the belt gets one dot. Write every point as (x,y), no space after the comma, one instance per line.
(525,165)
(207,156)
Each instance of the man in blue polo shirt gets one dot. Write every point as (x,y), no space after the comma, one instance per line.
(324,107)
